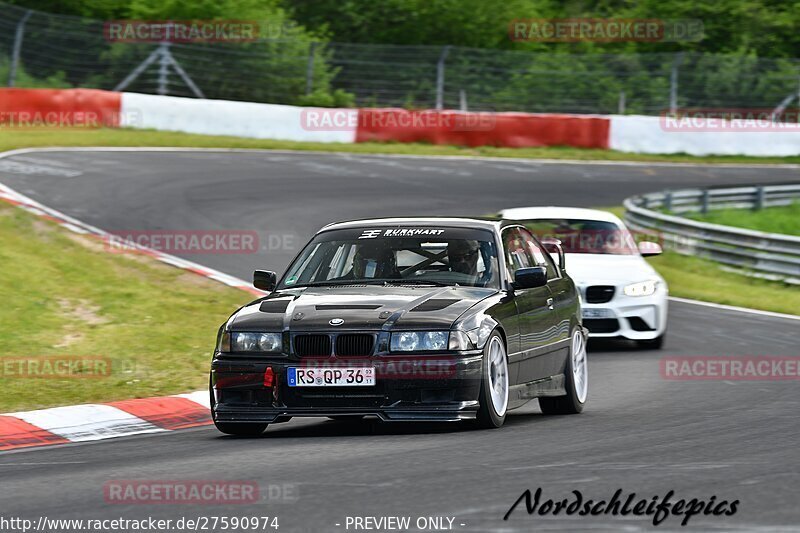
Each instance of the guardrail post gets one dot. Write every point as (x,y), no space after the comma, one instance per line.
(668,201)
(644,201)
(704,201)
(759,204)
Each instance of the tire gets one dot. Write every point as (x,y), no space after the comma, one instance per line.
(493,396)
(652,344)
(247,429)
(576,381)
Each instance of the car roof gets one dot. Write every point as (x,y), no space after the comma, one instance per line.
(549,212)
(457,222)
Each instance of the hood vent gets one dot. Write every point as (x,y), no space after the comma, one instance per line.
(345,307)
(434,304)
(274,306)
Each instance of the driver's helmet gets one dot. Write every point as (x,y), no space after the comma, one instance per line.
(463,256)
(373,261)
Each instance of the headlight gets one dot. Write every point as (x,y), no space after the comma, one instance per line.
(256,342)
(419,341)
(643,288)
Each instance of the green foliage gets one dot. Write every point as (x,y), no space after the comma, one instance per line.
(322,98)
(767,28)
(56,80)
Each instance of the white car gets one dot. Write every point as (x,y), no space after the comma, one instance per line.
(621,294)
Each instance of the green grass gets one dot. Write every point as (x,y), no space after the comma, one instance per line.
(784,220)
(28,138)
(701,279)
(63,295)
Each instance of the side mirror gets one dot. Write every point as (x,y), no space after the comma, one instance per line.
(265,280)
(648,249)
(556,251)
(529,278)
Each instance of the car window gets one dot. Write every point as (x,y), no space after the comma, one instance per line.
(518,253)
(540,256)
(466,257)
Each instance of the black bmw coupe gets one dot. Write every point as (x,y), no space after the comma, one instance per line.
(405,319)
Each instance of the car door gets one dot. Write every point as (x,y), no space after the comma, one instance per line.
(563,300)
(538,319)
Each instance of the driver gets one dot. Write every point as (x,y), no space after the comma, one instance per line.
(373,261)
(463,257)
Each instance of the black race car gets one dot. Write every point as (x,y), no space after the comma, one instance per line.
(405,319)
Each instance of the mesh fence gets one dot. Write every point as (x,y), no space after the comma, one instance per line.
(62,51)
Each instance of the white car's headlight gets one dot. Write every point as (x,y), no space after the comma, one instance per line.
(419,341)
(643,288)
(255,342)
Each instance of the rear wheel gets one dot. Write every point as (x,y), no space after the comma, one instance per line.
(494,384)
(576,381)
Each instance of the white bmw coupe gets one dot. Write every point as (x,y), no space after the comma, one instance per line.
(621,294)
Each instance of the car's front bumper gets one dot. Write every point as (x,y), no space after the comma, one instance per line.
(634,318)
(431,388)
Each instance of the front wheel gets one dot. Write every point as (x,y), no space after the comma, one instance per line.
(576,381)
(494,384)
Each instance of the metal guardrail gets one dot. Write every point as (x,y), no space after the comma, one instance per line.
(771,254)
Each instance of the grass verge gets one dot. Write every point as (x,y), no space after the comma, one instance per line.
(701,279)
(785,220)
(152,327)
(30,138)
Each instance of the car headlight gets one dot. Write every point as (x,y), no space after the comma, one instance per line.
(419,341)
(643,288)
(255,342)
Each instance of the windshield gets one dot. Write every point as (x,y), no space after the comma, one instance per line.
(416,255)
(579,236)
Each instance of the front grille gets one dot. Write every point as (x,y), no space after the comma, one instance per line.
(599,294)
(312,345)
(601,325)
(354,344)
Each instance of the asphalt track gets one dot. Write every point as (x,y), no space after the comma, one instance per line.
(640,433)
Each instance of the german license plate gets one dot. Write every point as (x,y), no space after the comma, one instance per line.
(597,313)
(363,376)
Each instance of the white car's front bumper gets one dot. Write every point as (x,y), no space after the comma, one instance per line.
(631,317)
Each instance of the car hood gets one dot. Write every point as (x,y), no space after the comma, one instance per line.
(364,307)
(591,269)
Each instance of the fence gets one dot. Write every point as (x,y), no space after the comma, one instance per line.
(44,50)
(769,253)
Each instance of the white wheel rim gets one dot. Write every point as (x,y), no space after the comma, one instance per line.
(580,369)
(498,375)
